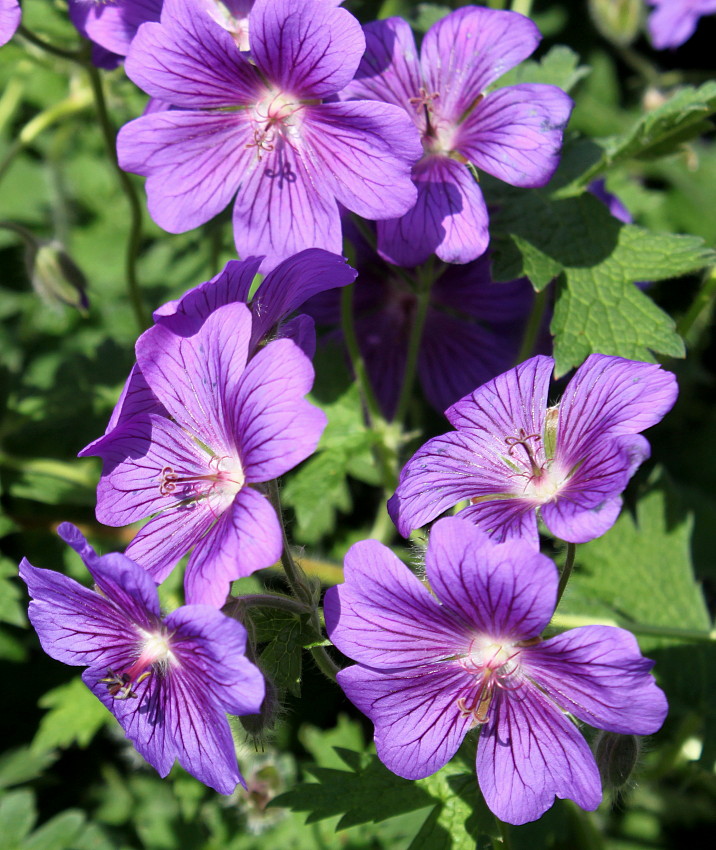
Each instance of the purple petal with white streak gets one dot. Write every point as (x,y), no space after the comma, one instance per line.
(418,725)
(311,49)
(362,152)
(383,616)
(528,753)
(466,51)
(193,161)
(516,132)
(449,217)
(505,591)
(599,675)
(275,427)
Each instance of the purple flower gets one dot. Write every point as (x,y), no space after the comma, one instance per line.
(472,328)
(430,669)
(168,681)
(10,14)
(674,21)
(219,425)
(514,133)
(112,24)
(512,457)
(263,128)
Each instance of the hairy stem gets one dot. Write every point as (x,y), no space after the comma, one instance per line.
(703,301)
(534,323)
(273,600)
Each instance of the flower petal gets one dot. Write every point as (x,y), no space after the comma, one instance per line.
(449,217)
(611,396)
(193,161)
(466,51)
(383,615)
(505,519)
(418,724)
(190,61)
(389,70)
(600,676)
(114,26)
(245,539)
(10,14)
(76,625)
(310,49)
(195,377)
(515,133)
(528,753)
(279,211)
(362,152)
(507,590)
(274,426)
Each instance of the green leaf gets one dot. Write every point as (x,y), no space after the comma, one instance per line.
(286,635)
(21,765)
(452,825)
(427,14)
(560,67)
(641,570)
(57,834)
(17,817)
(75,717)
(661,131)
(320,487)
(598,307)
(12,610)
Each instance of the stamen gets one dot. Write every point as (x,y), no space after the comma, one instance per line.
(522,440)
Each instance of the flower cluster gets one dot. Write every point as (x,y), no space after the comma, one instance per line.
(300,117)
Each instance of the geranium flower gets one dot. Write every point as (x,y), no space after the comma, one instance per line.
(511,456)
(222,426)
(169,681)
(513,133)
(10,15)
(472,329)
(673,22)
(262,127)
(431,668)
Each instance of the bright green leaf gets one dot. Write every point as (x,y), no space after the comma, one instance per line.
(560,67)
(75,717)
(57,834)
(17,817)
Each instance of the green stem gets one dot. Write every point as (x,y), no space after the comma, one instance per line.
(426,278)
(295,576)
(324,662)
(72,55)
(534,323)
(70,105)
(566,570)
(135,232)
(524,7)
(700,304)
(273,600)
(356,358)
(504,834)
(571,621)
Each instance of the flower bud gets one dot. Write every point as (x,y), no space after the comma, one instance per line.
(619,21)
(55,276)
(616,756)
(259,724)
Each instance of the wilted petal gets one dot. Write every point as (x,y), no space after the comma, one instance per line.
(275,427)
(390,69)
(466,51)
(418,724)
(528,753)
(383,615)
(505,591)
(190,61)
(515,133)
(449,218)
(309,48)
(246,538)
(193,161)
(279,211)
(362,152)
(599,675)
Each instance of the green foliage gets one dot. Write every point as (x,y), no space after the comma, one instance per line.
(559,67)
(12,610)
(75,716)
(320,487)
(18,816)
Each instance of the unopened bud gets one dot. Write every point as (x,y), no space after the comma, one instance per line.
(619,21)
(616,756)
(55,276)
